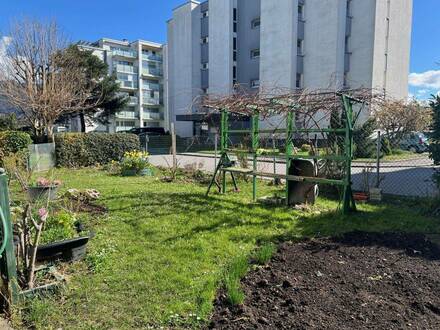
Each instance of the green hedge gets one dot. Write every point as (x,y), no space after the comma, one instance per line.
(13,141)
(89,149)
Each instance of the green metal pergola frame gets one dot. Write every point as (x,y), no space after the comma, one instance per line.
(225,164)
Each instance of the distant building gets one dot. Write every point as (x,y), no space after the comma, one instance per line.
(290,44)
(139,69)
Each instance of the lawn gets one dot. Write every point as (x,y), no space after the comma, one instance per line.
(159,254)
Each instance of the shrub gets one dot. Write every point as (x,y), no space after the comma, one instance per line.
(365,146)
(12,142)
(8,122)
(306,148)
(81,150)
(59,226)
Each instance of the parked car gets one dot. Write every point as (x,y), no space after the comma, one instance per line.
(415,142)
(151,131)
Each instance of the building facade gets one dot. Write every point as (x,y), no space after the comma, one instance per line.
(285,44)
(139,69)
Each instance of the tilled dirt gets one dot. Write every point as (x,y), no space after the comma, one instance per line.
(358,281)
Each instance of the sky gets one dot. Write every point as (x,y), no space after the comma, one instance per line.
(146,19)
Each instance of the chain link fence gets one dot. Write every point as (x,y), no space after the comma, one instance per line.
(400,168)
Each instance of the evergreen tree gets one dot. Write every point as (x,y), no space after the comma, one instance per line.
(104,87)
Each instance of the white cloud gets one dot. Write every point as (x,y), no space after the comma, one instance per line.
(429,79)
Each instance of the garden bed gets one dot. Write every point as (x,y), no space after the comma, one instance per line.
(357,281)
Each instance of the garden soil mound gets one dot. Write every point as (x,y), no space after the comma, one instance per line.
(358,281)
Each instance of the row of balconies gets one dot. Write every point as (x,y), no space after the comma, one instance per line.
(128,53)
(127,114)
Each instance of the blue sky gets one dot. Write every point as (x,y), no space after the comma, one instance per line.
(145,19)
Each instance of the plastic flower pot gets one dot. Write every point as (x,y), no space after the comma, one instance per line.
(49,192)
(129,172)
(146,172)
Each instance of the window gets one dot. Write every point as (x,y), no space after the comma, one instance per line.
(234,43)
(235,27)
(205,14)
(255,83)
(205,66)
(300,12)
(299,78)
(234,56)
(235,14)
(255,53)
(299,46)
(205,40)
(255,23)
(234,72)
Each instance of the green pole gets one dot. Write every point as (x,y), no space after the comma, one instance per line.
(8,266)
(289,149)
(224,144)
(348,200)
(255,146)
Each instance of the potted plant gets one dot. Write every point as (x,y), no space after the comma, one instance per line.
(136,163)
(44,189)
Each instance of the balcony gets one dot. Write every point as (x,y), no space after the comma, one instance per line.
(152,72)
(151,57)
(151,87)
(128,84)
(153,116)
(150,101)
(124,53)
(126,114)
(125,68)
(133,100)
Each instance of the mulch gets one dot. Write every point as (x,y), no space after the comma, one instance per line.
(358,281)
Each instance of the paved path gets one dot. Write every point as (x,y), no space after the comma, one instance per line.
(404,177)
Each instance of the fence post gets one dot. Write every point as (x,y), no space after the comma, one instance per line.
(215,149)
(173,146)
(8,270)
(378,148)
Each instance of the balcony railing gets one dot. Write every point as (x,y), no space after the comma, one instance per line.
(151,57)
(128,114)
(124,53)
(151,87)
(152,72)
(128,84)
(150,101)
(125,68)
(133,100)
(153,116)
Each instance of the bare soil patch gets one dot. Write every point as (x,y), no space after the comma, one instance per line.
(357,281)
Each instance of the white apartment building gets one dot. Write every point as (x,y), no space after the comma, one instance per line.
(291,44)
(139,69)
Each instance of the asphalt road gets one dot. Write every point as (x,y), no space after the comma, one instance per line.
(403,178)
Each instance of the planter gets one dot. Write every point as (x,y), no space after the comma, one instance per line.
(36,193)
(67,250)
(129,172)
(46,289)
(146,172)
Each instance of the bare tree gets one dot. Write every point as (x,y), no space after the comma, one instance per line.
(398,118)
(37,80)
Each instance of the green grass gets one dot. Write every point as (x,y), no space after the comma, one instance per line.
(264,253)
(238,269)
(162,251)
